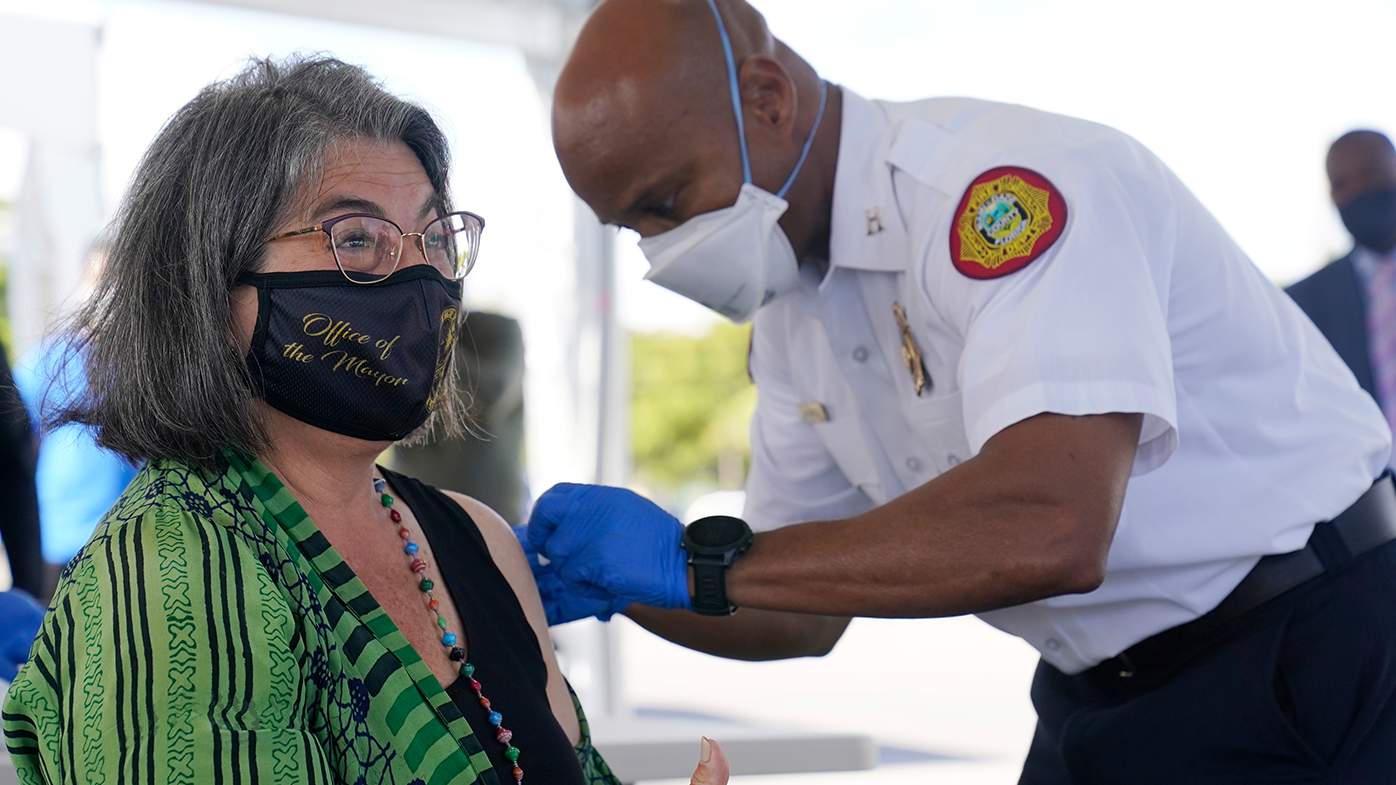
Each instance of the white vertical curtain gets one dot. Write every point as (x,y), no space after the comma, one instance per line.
(49,93)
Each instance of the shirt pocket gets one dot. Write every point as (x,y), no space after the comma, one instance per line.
(938,427)
(845,441)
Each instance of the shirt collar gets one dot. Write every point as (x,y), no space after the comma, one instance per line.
(865,228)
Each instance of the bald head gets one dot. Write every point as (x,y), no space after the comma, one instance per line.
(642,113)
(1360,162)
(633,56)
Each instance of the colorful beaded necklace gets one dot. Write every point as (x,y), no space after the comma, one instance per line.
(448,638)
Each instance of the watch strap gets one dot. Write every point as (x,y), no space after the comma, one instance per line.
(710,587)
(713,544)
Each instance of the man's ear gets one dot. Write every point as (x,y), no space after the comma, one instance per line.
(768,92)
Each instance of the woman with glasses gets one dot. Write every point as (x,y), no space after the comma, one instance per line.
(265,603)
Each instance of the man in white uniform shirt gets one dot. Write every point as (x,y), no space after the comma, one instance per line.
(1007,365)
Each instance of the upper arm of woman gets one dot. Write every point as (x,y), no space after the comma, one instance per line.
(509,558)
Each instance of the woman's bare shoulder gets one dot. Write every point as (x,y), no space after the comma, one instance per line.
(504,547)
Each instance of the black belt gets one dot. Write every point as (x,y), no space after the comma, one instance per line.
(1367,524)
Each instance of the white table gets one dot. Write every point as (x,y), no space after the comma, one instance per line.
(650,747)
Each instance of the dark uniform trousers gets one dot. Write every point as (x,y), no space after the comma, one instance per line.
(1298,690)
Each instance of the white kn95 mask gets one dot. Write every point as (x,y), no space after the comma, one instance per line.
(736,259)
(733,260)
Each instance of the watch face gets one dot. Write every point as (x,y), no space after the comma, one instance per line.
(717,531)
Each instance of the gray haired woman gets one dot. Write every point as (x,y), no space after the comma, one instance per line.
(264,603)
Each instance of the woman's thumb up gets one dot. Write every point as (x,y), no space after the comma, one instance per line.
(712,765)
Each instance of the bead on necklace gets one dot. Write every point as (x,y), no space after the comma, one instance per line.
(448,639)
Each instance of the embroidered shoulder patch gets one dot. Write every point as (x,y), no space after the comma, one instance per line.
(1007,218)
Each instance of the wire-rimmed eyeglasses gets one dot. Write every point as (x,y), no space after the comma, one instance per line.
(368,248)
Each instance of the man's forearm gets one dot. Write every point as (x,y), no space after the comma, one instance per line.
(1031,517)
(749,634)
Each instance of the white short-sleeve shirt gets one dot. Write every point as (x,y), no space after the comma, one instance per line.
(1254,429)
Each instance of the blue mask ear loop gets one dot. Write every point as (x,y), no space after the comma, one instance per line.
(737,108)
(818,118)
(736,92)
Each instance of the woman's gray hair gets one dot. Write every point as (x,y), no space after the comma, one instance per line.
(166,378)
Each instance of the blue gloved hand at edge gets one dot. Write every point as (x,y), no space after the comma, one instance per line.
(560,604)
(612,542)
(20,617)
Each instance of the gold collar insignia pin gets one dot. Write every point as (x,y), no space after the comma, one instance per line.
(911,353)
(874,216)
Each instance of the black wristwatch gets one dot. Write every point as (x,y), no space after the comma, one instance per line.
(713,543)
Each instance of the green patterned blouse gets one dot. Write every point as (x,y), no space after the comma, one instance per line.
(209,634)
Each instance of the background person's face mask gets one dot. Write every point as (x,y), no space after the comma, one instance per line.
(736,259)
(367,361)
(1371,218)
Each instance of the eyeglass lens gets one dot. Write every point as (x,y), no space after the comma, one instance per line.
(372,246)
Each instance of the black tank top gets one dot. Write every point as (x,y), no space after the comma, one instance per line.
(502,645)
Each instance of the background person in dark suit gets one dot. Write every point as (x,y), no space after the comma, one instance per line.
(1353,300)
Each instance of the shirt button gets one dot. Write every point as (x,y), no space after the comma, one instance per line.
(1053,644)
(913,464)
(860,354)
(953,460)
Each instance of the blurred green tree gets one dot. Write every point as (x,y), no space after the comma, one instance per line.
(691,403)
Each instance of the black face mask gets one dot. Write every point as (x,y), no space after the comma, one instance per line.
(1371,218)
(368,361)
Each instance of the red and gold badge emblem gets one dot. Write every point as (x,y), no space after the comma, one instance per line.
(1007,218)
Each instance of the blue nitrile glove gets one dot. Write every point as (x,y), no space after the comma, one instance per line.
(559,604)
(612,542)
(20,617)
